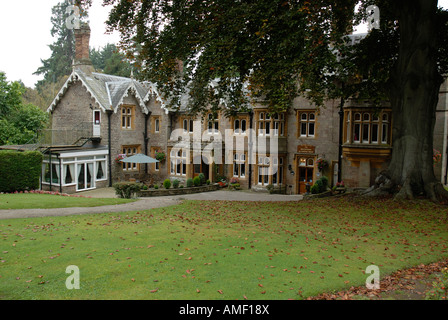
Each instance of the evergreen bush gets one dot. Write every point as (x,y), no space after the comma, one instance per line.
(167,184)
(202,178)
(197,181)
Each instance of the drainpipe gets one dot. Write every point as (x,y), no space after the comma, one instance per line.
(109,129)
(341,124)
(444,175)
(145,137)
(251,114)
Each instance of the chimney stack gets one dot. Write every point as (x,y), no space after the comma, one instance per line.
(82,49)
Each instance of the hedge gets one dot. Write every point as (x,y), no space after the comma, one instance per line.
(127,190)
(20,171)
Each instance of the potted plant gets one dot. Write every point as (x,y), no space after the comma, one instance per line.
(340,187)
(160,156)
(234,184)
(222,183)
(321,164)
(120,157)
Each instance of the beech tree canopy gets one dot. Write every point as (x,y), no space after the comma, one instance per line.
(228,53)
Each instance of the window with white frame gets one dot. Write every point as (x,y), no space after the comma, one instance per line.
(127,117)
(264,124)
(188,125)
(307,124)
(278,170)
(157,125)
(365,127)
(240,126)
(270,170)
(385,127)
(263,170)
(66,170)
(271,125)
(130,151)
(212,124)
(239,165)
(178,162)
(279,124)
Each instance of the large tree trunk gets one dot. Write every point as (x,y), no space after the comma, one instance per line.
(414,97)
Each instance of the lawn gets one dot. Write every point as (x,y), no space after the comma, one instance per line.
(219,250)
(48,201)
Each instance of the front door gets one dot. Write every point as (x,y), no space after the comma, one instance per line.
(200,166)
(305,174)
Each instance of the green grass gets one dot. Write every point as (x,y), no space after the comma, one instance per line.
(48,201)
(219,250)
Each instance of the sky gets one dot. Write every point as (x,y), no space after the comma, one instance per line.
(25,35)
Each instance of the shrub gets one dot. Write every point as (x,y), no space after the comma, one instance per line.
(319,185)
(127,190)
(167,184)
(202,178)
(234,186)
(189,183)
(315,189)
(181,186)
(324,180)
(208,182)
(176,184)
(20,171)
(197,181)
(156,186)
(160,156)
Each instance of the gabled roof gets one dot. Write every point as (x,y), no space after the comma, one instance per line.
(108,91)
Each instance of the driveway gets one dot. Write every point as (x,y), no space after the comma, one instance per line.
(145,203)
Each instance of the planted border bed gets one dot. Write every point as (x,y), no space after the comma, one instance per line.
(178,191)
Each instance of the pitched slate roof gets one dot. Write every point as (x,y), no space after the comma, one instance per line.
(108,91)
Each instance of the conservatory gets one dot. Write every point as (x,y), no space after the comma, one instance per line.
(70,171)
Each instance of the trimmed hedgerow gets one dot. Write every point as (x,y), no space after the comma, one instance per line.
(20,171)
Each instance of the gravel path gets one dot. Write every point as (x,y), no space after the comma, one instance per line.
(144,203)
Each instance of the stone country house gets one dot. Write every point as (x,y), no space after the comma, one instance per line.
(98,117)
